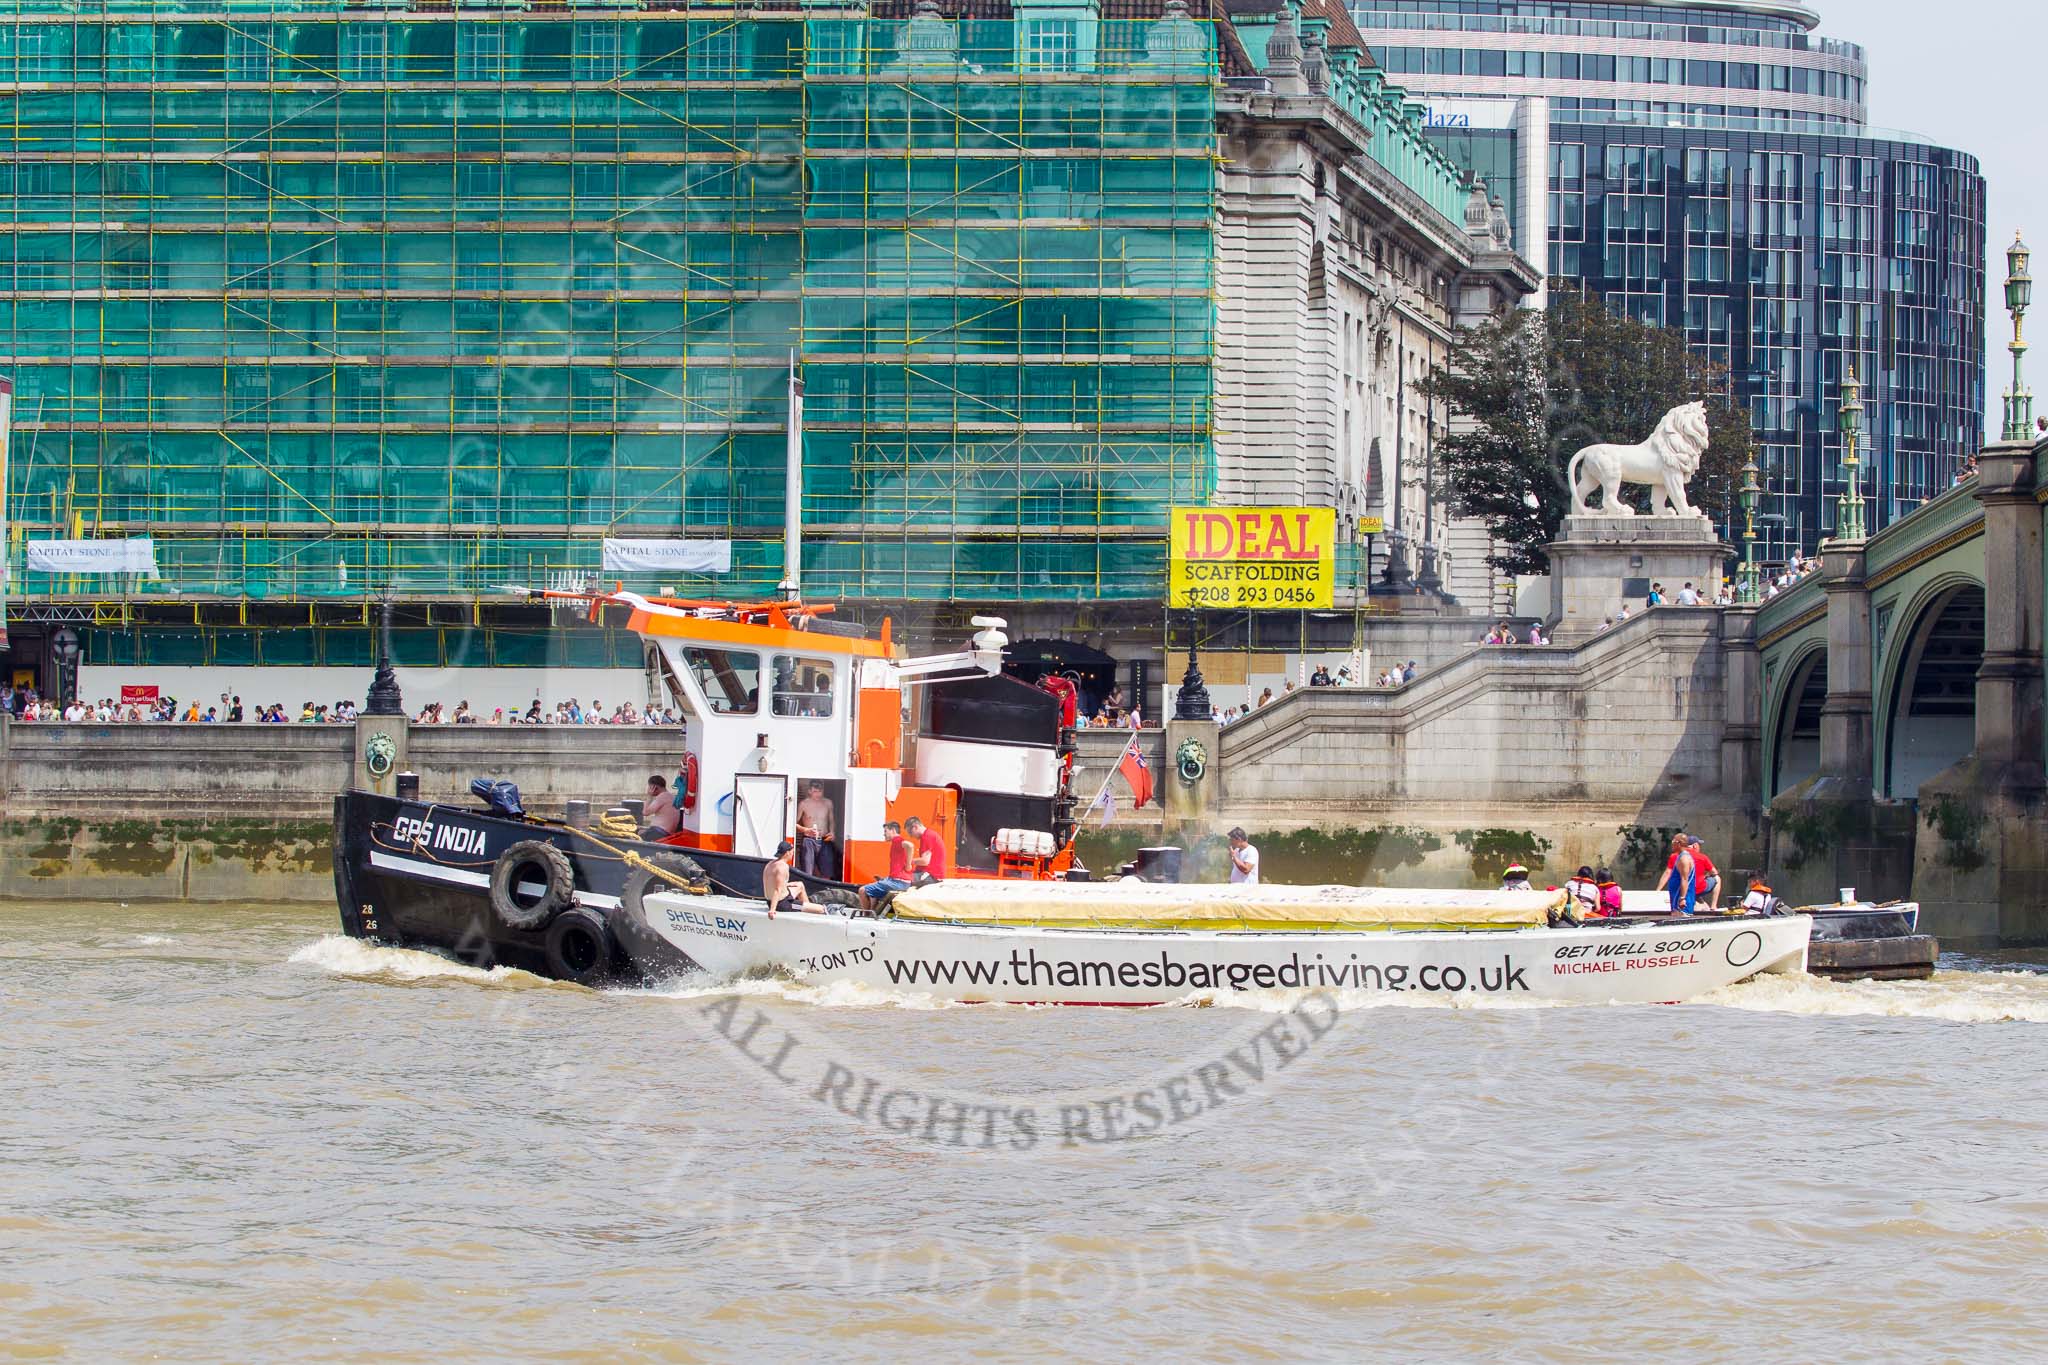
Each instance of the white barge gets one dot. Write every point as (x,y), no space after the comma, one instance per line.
(1128,943)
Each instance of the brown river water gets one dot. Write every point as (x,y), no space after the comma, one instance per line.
(229,1134)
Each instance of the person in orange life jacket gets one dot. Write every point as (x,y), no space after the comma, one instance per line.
(1584,891)
(901,851)
(778,888)
(1610,892)
(930,858)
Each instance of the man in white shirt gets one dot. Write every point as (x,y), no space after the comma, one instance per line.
(1688,596)
(1244,859)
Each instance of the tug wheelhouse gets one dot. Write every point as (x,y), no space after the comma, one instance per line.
(776,698)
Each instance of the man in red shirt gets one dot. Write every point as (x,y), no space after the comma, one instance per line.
(1706,877)
(931,850)
(901,851)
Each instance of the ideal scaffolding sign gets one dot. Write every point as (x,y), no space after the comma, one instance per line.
(1252,558)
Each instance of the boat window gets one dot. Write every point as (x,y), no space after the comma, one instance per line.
(803,687)
(729,678)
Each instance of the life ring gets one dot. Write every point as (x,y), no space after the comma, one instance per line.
(640,882)
(686,778)
(528,861)
(579,947)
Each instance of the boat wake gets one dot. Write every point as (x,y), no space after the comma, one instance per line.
(836,995)
(1959,997)
(353,957)
(1955,996)
(1969,997)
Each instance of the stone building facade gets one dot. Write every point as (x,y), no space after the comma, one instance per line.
(1348,251)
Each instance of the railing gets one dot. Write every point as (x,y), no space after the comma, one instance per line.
(1607,28)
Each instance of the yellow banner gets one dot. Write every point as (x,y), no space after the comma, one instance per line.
(1253,558)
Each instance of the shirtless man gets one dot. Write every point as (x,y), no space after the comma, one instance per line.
(778,888)
(813,832)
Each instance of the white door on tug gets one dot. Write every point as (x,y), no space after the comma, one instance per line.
(759,813)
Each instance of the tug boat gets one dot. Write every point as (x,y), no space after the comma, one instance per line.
(777,697)
(1137,943)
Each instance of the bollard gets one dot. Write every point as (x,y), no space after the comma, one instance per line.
(637,810)
(579,815)
(408,787)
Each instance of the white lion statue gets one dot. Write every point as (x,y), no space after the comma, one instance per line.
(1664,462)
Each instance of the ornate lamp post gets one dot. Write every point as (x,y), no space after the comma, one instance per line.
(384,699)
(1746,586)
(1849,524)
(1192,701)
(2019,292)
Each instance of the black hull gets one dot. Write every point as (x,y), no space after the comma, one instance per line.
(415,874)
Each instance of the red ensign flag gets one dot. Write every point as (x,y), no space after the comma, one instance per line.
(1138,774)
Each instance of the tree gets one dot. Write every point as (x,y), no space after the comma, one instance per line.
(1534,388)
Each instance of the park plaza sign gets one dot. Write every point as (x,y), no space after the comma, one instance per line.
(1252,558)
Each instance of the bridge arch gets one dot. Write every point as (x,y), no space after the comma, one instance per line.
(1929,703)
(1795,724)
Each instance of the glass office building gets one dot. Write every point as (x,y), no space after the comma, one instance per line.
(338,300)
(1709,167)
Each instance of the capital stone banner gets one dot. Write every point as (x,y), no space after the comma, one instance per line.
(93,556)
(1252,558)
(667,556)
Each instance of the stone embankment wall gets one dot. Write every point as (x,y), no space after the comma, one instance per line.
(1548,754)
(1634,715)
(217,812)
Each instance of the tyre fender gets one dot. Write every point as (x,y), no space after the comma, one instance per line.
(527,861)
(580,947)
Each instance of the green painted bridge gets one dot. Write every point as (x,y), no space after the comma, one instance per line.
(1900,740)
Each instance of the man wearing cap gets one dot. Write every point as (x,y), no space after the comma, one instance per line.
(777,887)
(1516,878)
(1706,877)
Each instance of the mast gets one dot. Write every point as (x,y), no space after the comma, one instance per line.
(793,490)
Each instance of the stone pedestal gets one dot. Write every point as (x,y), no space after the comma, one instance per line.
(1599,562)
(392,729)
(1191,804)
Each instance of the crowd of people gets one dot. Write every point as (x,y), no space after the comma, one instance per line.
(570,712)
(1504,633)
(1393,676)
(24,704)
(1794,570)
(1690,882)
(1113,712)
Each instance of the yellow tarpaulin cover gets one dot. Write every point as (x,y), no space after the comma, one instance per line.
(1135,904)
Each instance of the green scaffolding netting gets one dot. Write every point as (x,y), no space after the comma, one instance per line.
(332,301)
